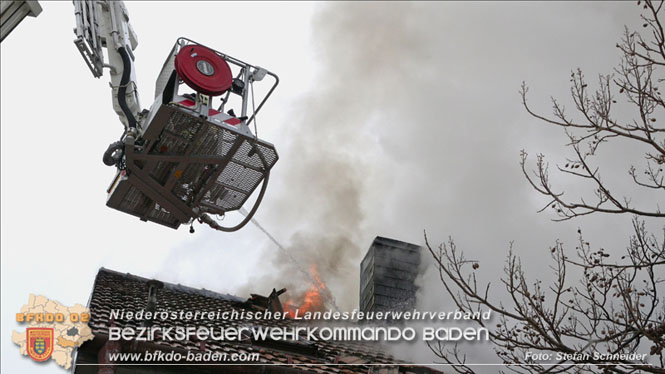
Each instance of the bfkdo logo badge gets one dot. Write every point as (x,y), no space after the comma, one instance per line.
(40,342)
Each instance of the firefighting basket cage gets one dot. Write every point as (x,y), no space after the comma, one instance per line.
(190,160)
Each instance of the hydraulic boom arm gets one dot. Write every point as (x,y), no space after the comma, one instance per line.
(105,24)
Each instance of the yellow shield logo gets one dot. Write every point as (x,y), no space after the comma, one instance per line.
(40,343)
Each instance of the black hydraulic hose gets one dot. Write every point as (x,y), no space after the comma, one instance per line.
(122,89)
(109,159)
(212,223)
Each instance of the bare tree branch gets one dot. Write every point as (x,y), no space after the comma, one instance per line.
(595,303)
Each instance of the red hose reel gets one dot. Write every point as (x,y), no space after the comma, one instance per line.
(203,70)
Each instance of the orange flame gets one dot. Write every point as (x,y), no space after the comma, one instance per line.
(312,300)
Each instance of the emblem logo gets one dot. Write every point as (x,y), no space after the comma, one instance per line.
(40,343)
(205,68)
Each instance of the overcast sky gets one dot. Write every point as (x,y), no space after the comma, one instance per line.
(391,118)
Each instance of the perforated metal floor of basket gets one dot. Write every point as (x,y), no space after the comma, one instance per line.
(189,162)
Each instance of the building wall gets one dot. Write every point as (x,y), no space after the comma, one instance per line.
(387,275)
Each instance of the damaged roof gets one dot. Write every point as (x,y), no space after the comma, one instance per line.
(116,291)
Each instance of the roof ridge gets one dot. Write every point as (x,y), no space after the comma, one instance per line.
(174,287)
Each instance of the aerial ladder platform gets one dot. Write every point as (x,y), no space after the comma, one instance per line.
(191,156)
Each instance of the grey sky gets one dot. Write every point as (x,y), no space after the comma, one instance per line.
(391,118)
